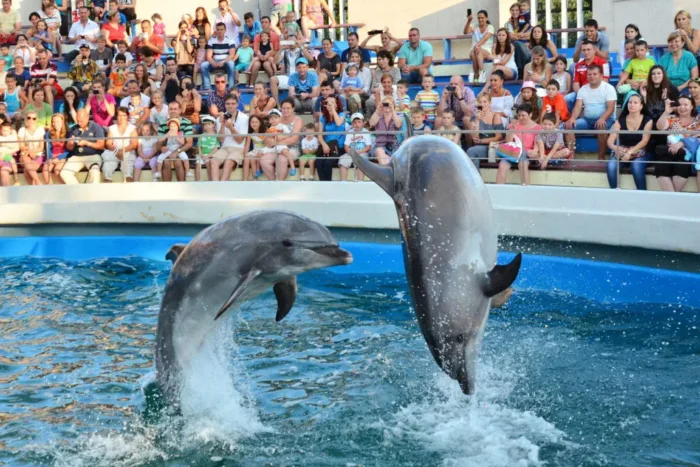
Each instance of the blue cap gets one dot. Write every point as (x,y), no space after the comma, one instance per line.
(301,60)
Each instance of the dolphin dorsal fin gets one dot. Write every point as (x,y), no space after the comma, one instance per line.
(174,252)
(500,277)
(246,279)
(286,293)
(381,175)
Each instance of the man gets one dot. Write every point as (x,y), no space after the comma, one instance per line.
(170,85)
(84,153)
(232,125)
(274,37)
(220,52)
(415,58)
(304,87)
(594,109)
(327,90)
(459,99)
(174,111)
(10,23)
(84,32)
(149,40)
(132,87)
(217,98)
(250,26)
(83,70)
(128,8)
(45,75)
(581,71)
(230,19)
(593,35)
(354,44)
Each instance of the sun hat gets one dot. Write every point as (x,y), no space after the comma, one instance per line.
(275,112)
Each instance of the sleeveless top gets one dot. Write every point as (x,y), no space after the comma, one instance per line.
(120,143)
(486,130)
(12,101)
(149,145)
(628,140)
(290,128)
(385,140)
(511,61)
(262,103)
(563,88)
(685,46)
(189,113)
(265,48)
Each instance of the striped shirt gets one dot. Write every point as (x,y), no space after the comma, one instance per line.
(220,48)
(428,100)
(37,72)
(185,127)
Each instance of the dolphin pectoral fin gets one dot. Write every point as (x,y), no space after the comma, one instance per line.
(382,176)
(286,293)
(240,287)
(500,277)
(174,252)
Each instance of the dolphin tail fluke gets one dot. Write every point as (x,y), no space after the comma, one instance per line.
(174,252)
(382,176)
(286,293)
(238,291)
(501,277)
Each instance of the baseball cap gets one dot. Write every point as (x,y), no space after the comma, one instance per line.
(84,46)
(275,112)
(301,60)
(208,119)
(357,115)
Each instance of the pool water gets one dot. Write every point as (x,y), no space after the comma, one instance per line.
(565,377)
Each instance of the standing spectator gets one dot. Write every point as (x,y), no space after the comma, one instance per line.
(251,27)
(538,70)
(503,55)
(482,38)
(84,151)
(83,32)
(489,125)
(690,36)
(122,141)
(147,40)
(428,99)
(312,16)
(328,65)
(303,86)
(581,70)
(601,43)
(354,45)
(184,50)
(632,148)
(32,149)
(262,103)
(181,167)
(221,50)
(83,70)
(385,119)
(230,20)
(673,176)
(10,23)
(594,109)
(538,37)
(128,8)
(460,100)
(202,24)
(232,128)
(45,75)
(415,58)
(680,65)
(100,105)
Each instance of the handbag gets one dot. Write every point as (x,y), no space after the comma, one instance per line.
(511,151)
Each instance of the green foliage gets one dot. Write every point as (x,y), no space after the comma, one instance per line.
(571,15)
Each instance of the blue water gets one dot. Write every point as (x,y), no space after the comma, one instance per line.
(588,364)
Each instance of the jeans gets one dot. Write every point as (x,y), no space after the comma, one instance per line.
(207,67)
(412,77)
(570,101)
(326,163)
(637,166)
(478,153)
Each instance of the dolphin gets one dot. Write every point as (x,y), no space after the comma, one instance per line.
(226,264)
(449,247)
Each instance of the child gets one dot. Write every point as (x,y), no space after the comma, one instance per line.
(637,70)
(525,15)
(145,151)
(14,96)
(158,25)
(418,121)
(172,140)
(528,95)
(309,146)
(3,75)
(351,85)
(524,122)
(122,47)
(359,139)
(402,100)
(59,153)
(200,56)
(428,99)
(554,103)
(7,56)
(270,142)
(562,76)
(250,164)
(265,56)
(8,148)
(117,77)
(76,13)
(549,145)
(448,124)
(291,29)
(244,55)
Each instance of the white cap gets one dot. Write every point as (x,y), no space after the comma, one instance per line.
(357,115)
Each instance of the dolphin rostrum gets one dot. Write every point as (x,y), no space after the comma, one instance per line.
(450,247)
(229,262)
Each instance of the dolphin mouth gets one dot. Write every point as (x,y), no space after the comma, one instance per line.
(334,252)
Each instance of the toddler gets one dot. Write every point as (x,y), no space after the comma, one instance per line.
(428,99)
(146,151)
(309,146)
(271,141)
(291,29)
(158,25)
(171,142)
(351,85)
(8,147)
(244,55)
(359,139)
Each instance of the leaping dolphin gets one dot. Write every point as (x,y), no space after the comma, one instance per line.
(227,263)
(450,247)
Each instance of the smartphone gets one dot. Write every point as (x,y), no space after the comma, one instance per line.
(675,104)
(469,11)
(479,107)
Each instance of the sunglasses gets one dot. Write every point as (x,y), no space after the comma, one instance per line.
(31,118)
(220,82)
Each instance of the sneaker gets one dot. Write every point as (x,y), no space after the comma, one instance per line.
(470,78)
(482,76)
(190,174)
(258,173)
(293,172)
(156,176)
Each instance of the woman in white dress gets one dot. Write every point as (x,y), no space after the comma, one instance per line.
(122,141)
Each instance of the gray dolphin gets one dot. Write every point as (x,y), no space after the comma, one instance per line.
(227,263)
(450,247)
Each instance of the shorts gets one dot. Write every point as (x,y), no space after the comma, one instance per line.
(140,163)
(275,150)
(62,156)
(346,160)
(229,154)
(283,81)
(308,157)
(241,67)
(292,151)
(387,150)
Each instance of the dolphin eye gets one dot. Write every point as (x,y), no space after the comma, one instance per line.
(287,243)
(460,338)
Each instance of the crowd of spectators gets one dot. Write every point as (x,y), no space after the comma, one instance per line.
(134,103)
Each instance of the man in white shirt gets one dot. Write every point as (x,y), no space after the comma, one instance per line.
(133,89)
(232,127)
(84,31)
(594,109)
(230,19)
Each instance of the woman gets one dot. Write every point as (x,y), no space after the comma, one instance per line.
(538,70)
(482,38)
(25,51)
(32,149)
(680,65)
(694,89)
(390,44)
(121,143)
(518,32)
(312,16)
(385,118)
(501,98)
(142,77)
(674,177)
(70,105)
(489,125)
(191,29)
(365,74)
(657,89)
(262,102)
(503,54)
(294,124)
(330,145)
(114,31)
(538,37)
(385,66)
(159,109)
(37,106)
(690,36)
(631,34)
(632,148)
(201,23)
(184,50)
(100,105)
(328,65)
(190,100)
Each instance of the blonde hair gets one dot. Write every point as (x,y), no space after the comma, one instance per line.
(681,12)
(486,96)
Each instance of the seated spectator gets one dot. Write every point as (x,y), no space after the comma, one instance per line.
(387,89)
(32,149)
(581,71)
(555,104)
(357,139)
(657,89)
(528,95)
(32,31)
(10,23)
(232,128)
(21,73)
(159,109)
(303,86)
(390,44)
(147,40)
(328,65)
(312,16)
(689,36)
(290,28)
(549,145)
(630,149)
(264,57)
(70,106)
(226,16)
(428,99)
(114,31)
(276,166)
(154,68)
(84,151)
(354,46)
(482,38)
(100,105)
(244,55)
(123,48)
(538,70)
(694,89)
(352,87)
(102,55)
(524,20)
(418,125)
(262,103)
(218,96)
(142,78)
(190,100)
(460,100)
(133,91)
(121,144)
(47,39)
(24,50)
(519,33)
(490,126)
(503,55)
(448,128)
(636,72)
(561,76)
(524,122)
(501,98)
(128,9)
(182,168)
(169,84)
(221,51)
(680,65)
(385,119)
(594,109)
(274,36)
(14,97)
(332,120)
(539,37)
(38,106)
(415,58)
(325,93)
(251,27)
(117,75)
(45,75)
(278,12)
(201,24)
(112,11)
(670,174)
(82,32)
(632,35)
(146,150)
(600,42)
(9,147)
(83,71)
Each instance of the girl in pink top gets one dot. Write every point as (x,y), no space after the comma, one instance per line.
(524,122)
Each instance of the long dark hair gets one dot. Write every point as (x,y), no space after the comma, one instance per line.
(543,41)
(625,109)
(653,93)
(507,47)
(205,19)
(76,103)
(636,28)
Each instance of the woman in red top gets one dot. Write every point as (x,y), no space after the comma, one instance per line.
(113,31)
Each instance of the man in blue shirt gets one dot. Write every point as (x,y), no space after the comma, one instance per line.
(415,58)
(250,26)
(304,87)
(600,40)
(354,44)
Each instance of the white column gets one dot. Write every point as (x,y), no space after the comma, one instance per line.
(533,12)
(579,13)
(331,5)
(564,24)
(342,20)
(548,14)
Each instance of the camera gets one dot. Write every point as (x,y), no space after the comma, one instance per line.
(479,107)
(95,91)
(450,88)
(675,104)
(227,115)
(385,104)
(189,86)
(469,11)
